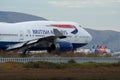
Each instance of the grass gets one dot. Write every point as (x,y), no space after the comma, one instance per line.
(50,65)
(56,71)
(10,65)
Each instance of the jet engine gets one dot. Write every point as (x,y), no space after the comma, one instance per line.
(60,46)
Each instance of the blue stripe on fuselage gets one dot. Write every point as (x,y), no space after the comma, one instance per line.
(78,45)
(75,46)
(4,45)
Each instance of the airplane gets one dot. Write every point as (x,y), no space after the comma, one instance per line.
(116,54)
(59,36)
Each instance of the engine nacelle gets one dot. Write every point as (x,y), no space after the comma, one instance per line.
(60,46)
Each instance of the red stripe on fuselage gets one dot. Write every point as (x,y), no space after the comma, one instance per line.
(63,25)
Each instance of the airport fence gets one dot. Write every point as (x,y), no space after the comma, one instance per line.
(62,59)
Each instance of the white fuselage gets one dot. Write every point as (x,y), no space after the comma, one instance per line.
(12,33)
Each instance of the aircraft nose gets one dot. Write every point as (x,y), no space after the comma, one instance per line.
(90,37)
(87,35)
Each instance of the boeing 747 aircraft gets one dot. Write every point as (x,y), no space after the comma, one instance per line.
(43,35)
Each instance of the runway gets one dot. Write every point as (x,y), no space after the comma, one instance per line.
(62,59)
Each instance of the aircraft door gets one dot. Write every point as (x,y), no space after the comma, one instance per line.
(0,36)
(21,36)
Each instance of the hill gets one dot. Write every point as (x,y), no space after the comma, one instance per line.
(13,17)
(106,38)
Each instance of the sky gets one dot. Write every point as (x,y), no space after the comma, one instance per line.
(93,14)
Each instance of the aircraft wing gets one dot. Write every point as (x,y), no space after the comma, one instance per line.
(40,41)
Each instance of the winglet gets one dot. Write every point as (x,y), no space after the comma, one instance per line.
(58,33)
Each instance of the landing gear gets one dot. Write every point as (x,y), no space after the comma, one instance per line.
(53,51)
(24,52)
